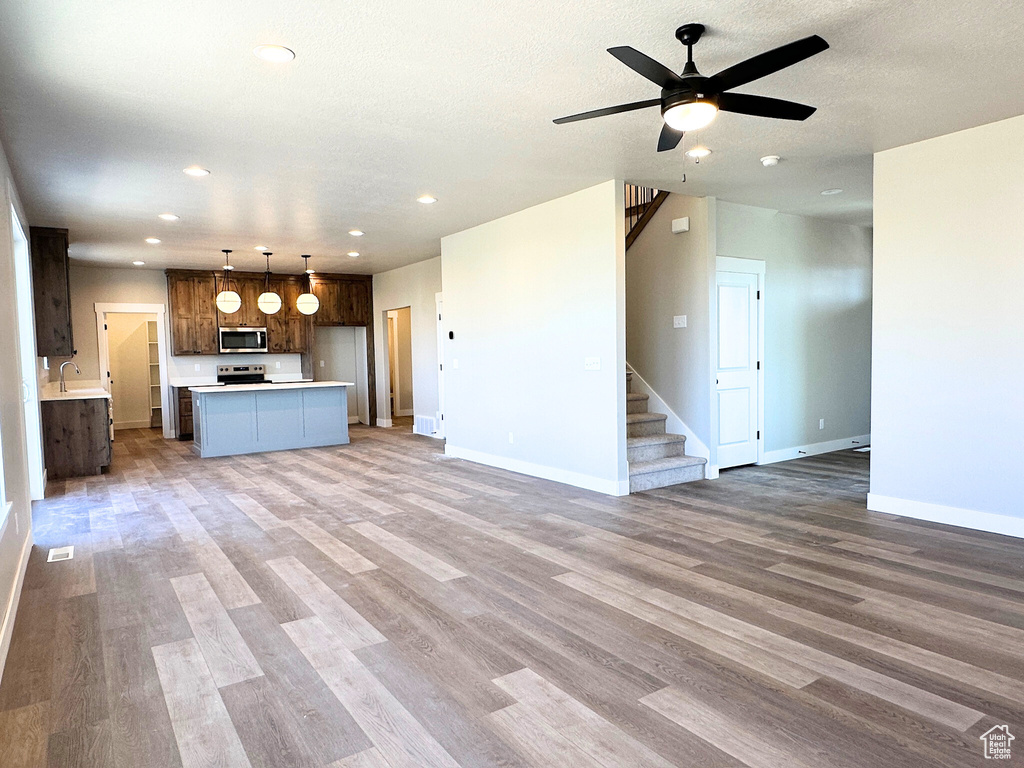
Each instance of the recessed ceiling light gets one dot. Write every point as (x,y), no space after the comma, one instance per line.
(356,232)
(153,240)
(353,254)
(698,153)
(275,54)
(260,248)
(770,161)
(426,199)
(138,263)
(169,217)
(831,191)
(195,170)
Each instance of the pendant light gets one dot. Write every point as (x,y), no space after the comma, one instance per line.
(268,302)
(308,303)
(228,301)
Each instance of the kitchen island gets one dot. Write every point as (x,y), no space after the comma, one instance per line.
(230,419)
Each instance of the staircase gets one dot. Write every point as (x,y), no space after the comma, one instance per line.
(641,205)
(656,458)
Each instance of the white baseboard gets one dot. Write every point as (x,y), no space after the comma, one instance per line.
(404,412)
(599,484)
(940,513)
(384,423)
(673,425)
(800,451)
(7,630)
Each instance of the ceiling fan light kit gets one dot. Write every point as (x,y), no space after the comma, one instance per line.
(690,101)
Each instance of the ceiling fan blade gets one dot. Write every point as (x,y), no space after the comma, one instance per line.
(643,64)
(669,138)
(609,111)
(762,106)
(766,63)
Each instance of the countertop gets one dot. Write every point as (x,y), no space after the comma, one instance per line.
(52,391)
(217,389)
(211,381)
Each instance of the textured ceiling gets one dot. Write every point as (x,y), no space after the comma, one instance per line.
(103,104)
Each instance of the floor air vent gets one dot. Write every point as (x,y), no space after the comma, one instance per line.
(61,553)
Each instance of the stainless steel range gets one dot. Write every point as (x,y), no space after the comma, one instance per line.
(242,374)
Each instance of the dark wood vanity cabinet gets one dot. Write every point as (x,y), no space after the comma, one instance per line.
(76,437)
(51,287)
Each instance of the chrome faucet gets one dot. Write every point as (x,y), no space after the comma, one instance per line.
(63,385)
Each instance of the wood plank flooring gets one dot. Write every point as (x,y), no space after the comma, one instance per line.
(380,605)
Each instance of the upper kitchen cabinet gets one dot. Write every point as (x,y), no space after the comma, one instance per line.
(249,315)
(52,288)
(193,310)
(287,329)
(344,300)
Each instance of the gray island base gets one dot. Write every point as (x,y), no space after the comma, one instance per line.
(252,418)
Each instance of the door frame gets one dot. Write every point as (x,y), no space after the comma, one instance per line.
(25,322)
(748,267)
(102,310)
(439,416)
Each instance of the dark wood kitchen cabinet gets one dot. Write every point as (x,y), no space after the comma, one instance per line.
(287,329)
(184,400)
(51,287)
(249,314)
(193,311)
(344,300)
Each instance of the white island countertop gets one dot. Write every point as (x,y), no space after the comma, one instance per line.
(220,389)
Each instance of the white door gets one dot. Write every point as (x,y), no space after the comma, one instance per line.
(737,368)
(440,365)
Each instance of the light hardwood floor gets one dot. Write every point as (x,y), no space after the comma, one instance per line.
(381,605)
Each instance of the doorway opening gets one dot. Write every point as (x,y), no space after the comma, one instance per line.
(339,353)
(133,365)
(399,348)
(27,359)
(739,361)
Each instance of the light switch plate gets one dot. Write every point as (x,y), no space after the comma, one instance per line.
(821,423)
(592,364)
(455,362)
(679,321)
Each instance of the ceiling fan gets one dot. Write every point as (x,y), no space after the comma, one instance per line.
(689,101)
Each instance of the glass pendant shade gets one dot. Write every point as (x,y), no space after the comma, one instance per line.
(307,303)
(229,302)
(690,117)
(269,303)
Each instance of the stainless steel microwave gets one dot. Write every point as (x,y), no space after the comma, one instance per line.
(243,340)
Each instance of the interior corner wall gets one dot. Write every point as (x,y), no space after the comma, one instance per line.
(948,347)
(667,275)
(817,316)
(414,286)
(16,525)
(530,298)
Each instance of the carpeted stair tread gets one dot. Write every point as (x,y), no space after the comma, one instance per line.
(654,440)
(635,418)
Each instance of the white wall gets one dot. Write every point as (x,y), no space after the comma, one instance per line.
(413,286)
(668,275)
(948,346)
(128,349)
(15,525)
(339,354)
(529,297)
(817,324)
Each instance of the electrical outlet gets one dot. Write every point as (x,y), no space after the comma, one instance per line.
(278,365)
(511,438)
(197,367)
(455,362)
(821,423)
(321,363)
(592,364)
(679,321)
